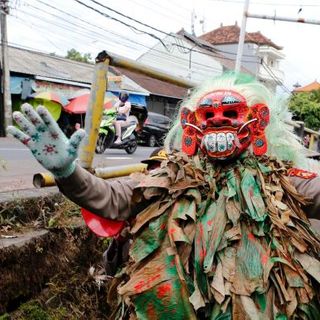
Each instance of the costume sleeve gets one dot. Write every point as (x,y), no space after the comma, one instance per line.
(310,188)
(109,199)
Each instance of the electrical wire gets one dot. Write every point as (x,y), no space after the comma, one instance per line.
(158,30)
(91,24)
(180,47)
(168,56)
(83,33)
(124,23)
(130,18)
(206,68)
(274,77)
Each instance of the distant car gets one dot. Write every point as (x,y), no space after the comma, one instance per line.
(154,129)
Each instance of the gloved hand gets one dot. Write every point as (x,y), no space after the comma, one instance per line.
(42,135)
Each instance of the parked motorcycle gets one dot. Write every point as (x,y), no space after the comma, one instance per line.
(107,134)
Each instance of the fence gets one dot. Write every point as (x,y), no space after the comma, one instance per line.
(301,131)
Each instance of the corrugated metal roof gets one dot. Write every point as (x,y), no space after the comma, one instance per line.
(54,67)
(41,64)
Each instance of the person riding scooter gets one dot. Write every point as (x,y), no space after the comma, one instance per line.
(123,107)
(107,134)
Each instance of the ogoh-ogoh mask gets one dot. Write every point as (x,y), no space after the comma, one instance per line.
(223,126)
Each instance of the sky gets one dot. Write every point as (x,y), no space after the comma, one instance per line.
(90,26)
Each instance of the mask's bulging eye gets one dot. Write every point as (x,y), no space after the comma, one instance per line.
(232,114)
(207,102)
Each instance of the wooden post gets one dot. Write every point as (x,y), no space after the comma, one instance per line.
(311,142)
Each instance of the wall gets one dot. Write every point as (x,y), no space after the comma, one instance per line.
(249,59)
(182,62)
(163,105)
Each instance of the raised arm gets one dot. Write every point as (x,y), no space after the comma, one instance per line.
(56,153)
(109,199)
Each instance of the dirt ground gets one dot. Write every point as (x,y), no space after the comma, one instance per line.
(58,275)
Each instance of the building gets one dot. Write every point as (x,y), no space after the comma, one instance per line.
(183,57)
(260,55)
(315,85)
(163,97)
(199,58)
(32,71)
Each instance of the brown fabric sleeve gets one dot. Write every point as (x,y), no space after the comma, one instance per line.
(109,199)
(310,188)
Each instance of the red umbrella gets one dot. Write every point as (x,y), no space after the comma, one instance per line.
(80,104)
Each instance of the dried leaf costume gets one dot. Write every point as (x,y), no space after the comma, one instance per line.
(224,235)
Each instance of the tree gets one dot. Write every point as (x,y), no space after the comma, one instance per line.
(73,54)
(306,107)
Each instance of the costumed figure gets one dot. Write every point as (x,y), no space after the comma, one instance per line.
(220,230)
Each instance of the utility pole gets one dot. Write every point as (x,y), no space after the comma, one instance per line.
(193,18)
(242,36)
(6,106)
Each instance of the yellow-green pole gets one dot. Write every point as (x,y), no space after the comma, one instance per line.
(46,179)
(135,66)
(94,111)
(119,171)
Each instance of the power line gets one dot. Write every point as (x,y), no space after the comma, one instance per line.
(180,47)
(124,23)
(151,49)
(91,24)
(158,30)
(130,18)
(274,77)
(84,32)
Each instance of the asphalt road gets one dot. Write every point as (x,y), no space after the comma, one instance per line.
(17,165)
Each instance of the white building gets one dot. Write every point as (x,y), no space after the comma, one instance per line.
(260,55)
(187,57)
(198,58)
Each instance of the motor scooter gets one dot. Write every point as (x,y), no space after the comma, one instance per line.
(107,134)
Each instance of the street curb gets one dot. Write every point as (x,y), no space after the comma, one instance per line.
(14,195)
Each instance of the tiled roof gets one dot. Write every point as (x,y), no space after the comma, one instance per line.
(308,88)
(230,34)
(154,86)
(260,39)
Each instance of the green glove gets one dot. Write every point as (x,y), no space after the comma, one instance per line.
(42,135)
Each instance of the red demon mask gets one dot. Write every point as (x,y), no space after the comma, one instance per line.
(223,126)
